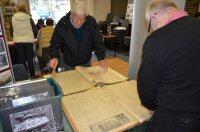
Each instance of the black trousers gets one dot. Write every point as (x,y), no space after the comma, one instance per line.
(25,54)
(174,122)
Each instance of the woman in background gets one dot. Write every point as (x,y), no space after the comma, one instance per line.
(24,31)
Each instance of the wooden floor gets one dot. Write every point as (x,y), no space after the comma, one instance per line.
(116,64)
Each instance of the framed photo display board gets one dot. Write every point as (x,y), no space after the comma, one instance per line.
(6,73)
(129,11)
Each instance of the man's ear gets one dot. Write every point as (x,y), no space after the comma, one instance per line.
(154,22)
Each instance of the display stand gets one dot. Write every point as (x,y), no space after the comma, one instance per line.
(6,73)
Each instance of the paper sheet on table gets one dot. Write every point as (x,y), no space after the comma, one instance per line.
(129,99)
(72,82)
(96,75)
(95,111)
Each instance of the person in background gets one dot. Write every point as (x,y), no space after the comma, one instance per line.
(43,40)
(169,74)
(40,24)
(24,31)
(77,35)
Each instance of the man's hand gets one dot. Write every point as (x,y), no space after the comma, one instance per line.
(103,65)
(53,63)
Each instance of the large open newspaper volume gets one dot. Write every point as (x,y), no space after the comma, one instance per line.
(114,107)
(84,78)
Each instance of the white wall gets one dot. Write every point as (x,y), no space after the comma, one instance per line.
(97,8)
(139,34)
(180,3)
(90,4)
(101,9)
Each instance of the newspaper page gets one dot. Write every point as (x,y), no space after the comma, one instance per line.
(129,99)
(72,82)
(97,111)
(97,76)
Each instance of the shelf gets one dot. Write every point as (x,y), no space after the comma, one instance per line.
(8,8)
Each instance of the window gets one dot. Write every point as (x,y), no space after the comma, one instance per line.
(44,9)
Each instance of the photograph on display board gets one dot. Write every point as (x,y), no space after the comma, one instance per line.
(0,30)
(8,10)
(2,47)
(39,116)
(3,61)
(36,120)
(5,78)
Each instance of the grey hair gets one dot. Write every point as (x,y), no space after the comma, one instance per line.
(79,8)
(158,6)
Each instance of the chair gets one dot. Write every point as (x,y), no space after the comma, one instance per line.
(109,18)
(116,19)
(20,73)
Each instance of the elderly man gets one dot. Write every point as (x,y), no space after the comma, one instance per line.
(77,35)
(169,75)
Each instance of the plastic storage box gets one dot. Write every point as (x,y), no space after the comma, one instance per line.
(40,115)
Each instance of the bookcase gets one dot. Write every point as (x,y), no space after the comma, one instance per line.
(8,9)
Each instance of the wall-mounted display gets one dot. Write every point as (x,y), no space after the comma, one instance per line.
(129,11)
(8,10)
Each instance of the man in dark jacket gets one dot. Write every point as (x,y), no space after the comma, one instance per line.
(169,75)
(77,35)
